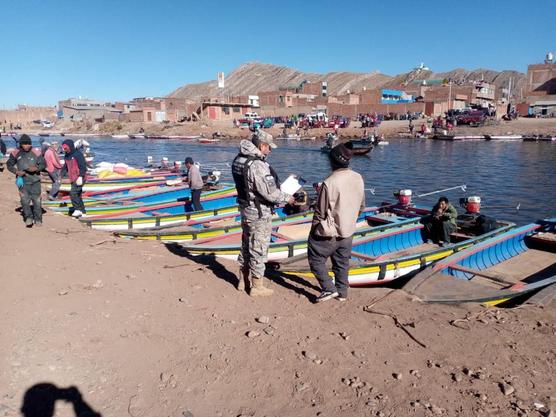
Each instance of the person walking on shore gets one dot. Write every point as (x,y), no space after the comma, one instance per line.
(27,163)
(340,200)
(195,182)
(258,192)
(53,168)
(75,168)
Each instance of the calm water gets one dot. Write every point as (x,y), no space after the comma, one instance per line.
(501,173)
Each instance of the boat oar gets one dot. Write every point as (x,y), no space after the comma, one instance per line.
(504,206)
(463,188)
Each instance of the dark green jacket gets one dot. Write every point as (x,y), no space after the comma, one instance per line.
(450,213)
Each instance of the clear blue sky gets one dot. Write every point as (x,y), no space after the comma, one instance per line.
(120,49)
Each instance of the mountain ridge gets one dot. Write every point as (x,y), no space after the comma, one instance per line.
(253,77)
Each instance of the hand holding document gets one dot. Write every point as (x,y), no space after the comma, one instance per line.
(292,184)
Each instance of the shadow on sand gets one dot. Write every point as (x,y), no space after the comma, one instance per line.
(40,401)
(292,283)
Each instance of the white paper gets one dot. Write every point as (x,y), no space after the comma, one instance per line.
(291,185)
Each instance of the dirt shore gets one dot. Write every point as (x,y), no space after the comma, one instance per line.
(141,331)
(390,129)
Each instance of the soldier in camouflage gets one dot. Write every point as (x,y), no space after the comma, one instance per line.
(258,192)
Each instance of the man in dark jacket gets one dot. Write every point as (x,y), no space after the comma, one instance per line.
(75,168)
(2,152)
(27,164)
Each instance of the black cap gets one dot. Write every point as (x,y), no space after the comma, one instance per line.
(189,160)
(340,155)
(25,140)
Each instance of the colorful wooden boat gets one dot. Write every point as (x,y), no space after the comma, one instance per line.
(506,266)
(96,197)
(208,227)
(100,186)
(115,201)
(172,206)
(291,240)
(391,255)
(155,218)
(209,201)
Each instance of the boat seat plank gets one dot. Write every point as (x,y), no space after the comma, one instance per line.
(482,274)
(525,266)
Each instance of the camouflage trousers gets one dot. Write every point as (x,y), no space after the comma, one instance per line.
(255,240)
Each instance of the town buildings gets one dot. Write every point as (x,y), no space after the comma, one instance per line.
(541,88)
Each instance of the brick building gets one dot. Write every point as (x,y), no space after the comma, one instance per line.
(219,108)
(541,87)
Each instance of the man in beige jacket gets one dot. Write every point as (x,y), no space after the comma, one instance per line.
(341,198)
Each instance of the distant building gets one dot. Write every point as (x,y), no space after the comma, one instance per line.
(78,109)
(541,87)
(219,108)
(26,114)
(156,110)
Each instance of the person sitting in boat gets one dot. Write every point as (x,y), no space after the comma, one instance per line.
(330,139)
(441,222)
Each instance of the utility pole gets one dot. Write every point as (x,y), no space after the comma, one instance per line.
(450,94)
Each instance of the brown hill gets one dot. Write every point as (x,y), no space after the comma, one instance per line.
(253,77)
(461,76)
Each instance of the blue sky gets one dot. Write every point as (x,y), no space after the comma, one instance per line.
(120,49)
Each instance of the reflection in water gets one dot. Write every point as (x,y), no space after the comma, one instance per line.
(502,173)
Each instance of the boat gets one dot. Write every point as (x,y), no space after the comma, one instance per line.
(295,137)
(392,255)
(208,140)
(513,264)
(504,137)
(358,147)
(102,186)
(156,218)
(539,138)
(291,240)
(171,201)
(156,199)
(120,136)
(209,227)
(458,137)
(94,197)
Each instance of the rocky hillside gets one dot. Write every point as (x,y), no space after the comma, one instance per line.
(253,77)
(460,76)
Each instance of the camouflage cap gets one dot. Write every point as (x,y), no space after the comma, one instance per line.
(263,137)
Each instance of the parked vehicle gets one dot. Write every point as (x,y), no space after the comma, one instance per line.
(471,117)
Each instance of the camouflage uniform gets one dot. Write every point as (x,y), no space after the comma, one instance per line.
(260,194)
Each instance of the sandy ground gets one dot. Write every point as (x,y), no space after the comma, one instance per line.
(141,331)
(391,128)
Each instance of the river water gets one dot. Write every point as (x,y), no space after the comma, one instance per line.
(504,174)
